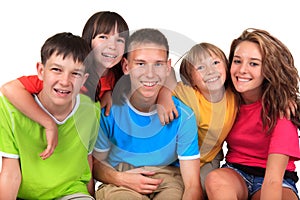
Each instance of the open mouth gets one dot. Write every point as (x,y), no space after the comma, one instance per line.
(149,83)
(108,55)
(62,91)
(212,79)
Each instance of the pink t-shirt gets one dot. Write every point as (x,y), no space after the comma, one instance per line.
(248,143)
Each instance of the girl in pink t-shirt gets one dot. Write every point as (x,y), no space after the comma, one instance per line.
(262,148)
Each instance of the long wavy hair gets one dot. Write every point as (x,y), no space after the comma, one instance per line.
(281,79)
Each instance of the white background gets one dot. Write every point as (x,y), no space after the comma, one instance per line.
(25,25)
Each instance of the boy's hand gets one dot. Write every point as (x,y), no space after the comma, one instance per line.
(166,109)
(52,140)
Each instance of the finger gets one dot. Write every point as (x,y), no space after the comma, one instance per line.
(166,118)
(294,108)
(47,152)
(281,114)
(171,116)
(175,112)
(107,109)
(288,113)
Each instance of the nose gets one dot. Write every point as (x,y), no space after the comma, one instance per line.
(149,70)
(211,69)
(112,42)
(243,68)
(65,79)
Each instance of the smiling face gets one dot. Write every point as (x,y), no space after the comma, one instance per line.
(108,48)
(148,67)
(209,74)
(62,80)
(246,71)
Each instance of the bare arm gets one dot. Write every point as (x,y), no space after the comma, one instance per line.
(14,91)
(106,101)
(190,171)
(10,179)
(272,185)
(166,108)
(91,186)
(135,179)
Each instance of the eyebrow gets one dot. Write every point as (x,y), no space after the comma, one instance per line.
(257,59)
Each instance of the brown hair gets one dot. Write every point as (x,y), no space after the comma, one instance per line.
(281,77)
(197,53)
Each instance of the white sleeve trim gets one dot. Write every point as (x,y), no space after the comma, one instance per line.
(194,157)
(101,150)
(8,155)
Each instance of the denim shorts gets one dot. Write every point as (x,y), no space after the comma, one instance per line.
(254,183)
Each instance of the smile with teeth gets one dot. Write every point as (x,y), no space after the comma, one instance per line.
(212,80)
(243,79)
(148,83)
(109,55)
(62,91)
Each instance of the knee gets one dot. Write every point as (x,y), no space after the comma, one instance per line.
(213,180)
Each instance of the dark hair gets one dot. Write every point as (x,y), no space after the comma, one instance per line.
(66,44)
(102,23)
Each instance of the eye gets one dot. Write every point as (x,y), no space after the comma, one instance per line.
(216,62)
(102,36)
(121,40)
(200,68)
(159,64)
(77,74)
(236,61)
(55,69)
(139,64)
(253,64)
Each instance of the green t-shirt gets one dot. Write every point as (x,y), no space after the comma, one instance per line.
(67,170)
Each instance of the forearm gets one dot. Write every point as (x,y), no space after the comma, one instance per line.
(14,91)
(91,185)
(271,190)
(10,179)
(105,173)
(191,193)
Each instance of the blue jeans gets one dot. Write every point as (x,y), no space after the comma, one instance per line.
(254,183)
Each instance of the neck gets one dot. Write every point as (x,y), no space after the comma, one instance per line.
(142,104)
(59,112)
(214,96)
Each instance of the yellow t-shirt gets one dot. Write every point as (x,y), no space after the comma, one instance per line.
(214,120)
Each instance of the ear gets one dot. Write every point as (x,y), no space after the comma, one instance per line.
(85,77)
(40,70)
(125,67)
(169,67)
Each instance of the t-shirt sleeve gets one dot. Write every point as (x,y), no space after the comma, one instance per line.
(7,140)
(188,148)
(285,139)
(31,83)
(102,142)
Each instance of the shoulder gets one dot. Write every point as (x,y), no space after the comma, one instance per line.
(182,108)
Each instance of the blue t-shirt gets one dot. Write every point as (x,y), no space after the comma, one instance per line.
(139,139)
